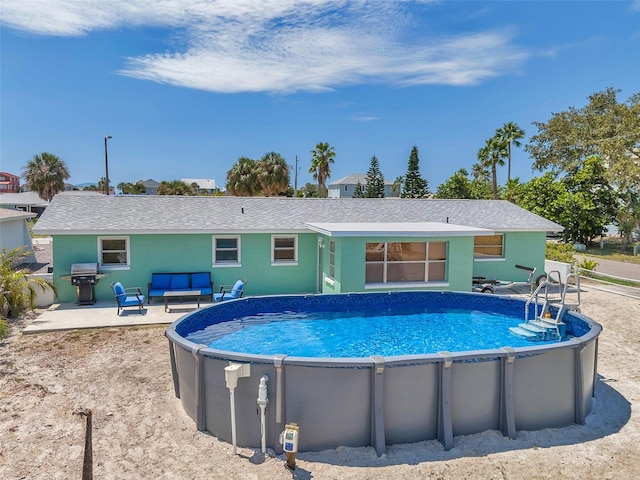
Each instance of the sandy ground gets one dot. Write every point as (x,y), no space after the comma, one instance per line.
(140,430)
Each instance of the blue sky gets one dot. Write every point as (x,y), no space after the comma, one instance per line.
(186,87)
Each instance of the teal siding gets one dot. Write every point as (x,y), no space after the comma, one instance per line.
(520,248)
(193,252)
(350,263)
(189,253)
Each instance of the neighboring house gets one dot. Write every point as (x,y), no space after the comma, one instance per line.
(205,185)
(9,183)
(151,186)
(14,232)
(294,245)
(346,187)
(26,201)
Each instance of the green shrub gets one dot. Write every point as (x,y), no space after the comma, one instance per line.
(560,252)
(587,264)
(17,289)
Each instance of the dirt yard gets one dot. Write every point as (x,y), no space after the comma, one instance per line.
(140,430)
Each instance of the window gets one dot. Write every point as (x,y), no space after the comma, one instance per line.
(405,262)
(226,251)
(284,249)
(332,259)
(491,246)
(113,252)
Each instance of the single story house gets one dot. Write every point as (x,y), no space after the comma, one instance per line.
(205,185)
(26,201)
(294,245)
(346,186)
(14,232)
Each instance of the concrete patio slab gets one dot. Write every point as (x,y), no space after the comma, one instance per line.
(69,316)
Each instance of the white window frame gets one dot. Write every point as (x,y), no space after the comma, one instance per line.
(226,263)
(274,261)
(385,262)
(332,259)
(482,258)
(114,266)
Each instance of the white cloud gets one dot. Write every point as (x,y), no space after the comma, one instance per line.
(365,118)
(281,45)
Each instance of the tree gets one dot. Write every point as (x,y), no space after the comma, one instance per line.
(308,191)
(414,185)
(582,201)
(17,287)
(358,191)
(492,155)
(45,173)
(628,216)
(603,127)
(375,180)
(241,179)
(321,160)
(137,188)
(272,172)
(174,187)
(100,186)
(511,134)
(396,188)
(459,186)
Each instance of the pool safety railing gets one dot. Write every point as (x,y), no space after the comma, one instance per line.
(546,306)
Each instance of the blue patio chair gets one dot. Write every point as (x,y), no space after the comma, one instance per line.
(229,292)
(127,297)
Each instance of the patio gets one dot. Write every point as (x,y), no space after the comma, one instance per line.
(69,316)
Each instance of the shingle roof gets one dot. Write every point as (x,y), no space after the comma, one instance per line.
(177,214)
(12,214)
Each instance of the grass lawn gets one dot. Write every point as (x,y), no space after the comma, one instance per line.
(611,251)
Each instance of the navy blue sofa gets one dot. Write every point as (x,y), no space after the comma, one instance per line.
(168,282)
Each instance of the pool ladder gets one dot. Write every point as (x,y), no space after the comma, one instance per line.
(545,308)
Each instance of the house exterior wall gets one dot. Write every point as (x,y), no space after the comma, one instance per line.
(189,253)
(194,253)
(350,264)
(14,234)
(520,248)
(347,190)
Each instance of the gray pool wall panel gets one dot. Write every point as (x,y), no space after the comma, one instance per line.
(382,401)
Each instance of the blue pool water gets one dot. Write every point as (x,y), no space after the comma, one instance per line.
(328,334)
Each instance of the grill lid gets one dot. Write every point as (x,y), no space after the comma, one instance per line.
(84,268)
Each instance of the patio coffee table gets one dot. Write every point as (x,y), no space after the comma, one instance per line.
(180,294)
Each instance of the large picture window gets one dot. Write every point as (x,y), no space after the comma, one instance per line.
(226,251)
(284,250)
(113,252)
(405,262)
(491,246)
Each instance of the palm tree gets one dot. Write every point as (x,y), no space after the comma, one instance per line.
(17,287)
(510,133)
(45,173)
(241,179)
(174,187)
(273,174)
(321,160)
(479,172)
(396,188)
(492,155)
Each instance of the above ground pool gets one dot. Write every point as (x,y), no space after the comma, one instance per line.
(374,369)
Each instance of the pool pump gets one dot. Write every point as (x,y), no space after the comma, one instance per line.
(289,441)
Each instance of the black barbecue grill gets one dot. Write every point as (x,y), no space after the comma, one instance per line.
(84,276)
